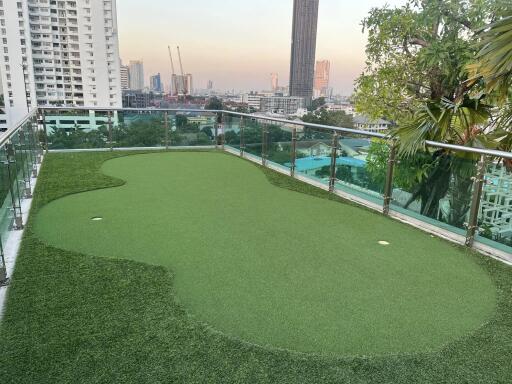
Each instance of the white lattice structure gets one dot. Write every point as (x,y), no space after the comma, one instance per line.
(496,206)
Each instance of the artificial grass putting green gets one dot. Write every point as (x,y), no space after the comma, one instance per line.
(275,267)
(83,319)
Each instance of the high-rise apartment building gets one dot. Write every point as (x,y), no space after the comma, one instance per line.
(57,52)
(322,73)
(302,64)
(125,77)
(274,81)
(136,75)
(16,66)
(209,85)
(155,83)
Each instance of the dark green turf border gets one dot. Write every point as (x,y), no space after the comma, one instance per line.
(83,319)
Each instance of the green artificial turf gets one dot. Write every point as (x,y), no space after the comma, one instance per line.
(274,267)
(76,318)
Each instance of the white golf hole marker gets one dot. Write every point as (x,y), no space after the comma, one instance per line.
(382,242)
(97,218)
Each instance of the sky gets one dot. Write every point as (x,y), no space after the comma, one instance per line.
(238,43)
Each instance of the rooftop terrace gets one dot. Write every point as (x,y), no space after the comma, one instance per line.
(221,259)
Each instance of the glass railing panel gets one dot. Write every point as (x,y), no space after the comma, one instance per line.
(28,147)
(495,215)
(77,129)
(361,167)
(11,190)
(37,137)
(313,154)
(21,166)
(435,187)
(253,136)
(140,129)
(6,208)
(31,141)
(232,131)
(280,144)
(194,129)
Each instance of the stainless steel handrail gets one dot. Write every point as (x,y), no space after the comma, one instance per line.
(454,147)
(9,133)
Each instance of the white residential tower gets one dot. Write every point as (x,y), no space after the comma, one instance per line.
(59,52)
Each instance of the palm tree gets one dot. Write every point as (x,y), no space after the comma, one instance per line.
(465,121)
(450,173)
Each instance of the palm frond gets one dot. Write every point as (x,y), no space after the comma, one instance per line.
(494,60)
(445,121)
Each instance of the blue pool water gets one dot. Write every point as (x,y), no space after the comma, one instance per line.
(312,162)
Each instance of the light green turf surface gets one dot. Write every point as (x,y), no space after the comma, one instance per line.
(272,266)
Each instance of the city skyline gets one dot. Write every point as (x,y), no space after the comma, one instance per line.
(239,44)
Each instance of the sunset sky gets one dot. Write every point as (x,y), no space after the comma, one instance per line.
(238,43)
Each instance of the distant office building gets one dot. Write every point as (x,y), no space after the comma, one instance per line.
(125,77)
(281,105)
(155,83)
(322,73)
(274,81)
(252,100)
(137,99)
(136,75)
(209,85)
(302,63)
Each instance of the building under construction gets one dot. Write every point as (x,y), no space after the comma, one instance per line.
(181,84)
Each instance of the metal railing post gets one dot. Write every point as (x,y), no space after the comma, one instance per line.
(475,202)
(216,132)
(30,140)
(264,133)
(166,125)
(293,153)
(388,186)
(16,207)
(37,142)
(45,130)
(334,157)
(4,280)
(27,187)
(27,145)
(223,127)
(30,146)
(242,138)
(110,133)
(36,158)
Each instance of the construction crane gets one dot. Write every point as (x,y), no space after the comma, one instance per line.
(184,91)
(174,79)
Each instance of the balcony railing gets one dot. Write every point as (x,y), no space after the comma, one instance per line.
(463,194)
(20,153)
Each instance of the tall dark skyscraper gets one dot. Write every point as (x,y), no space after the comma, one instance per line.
(302,65)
